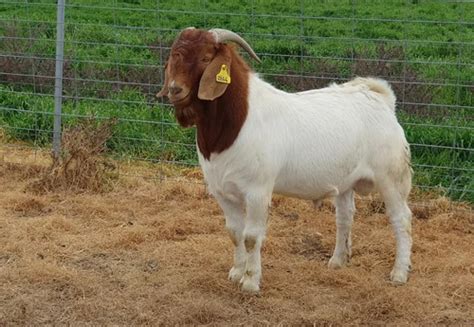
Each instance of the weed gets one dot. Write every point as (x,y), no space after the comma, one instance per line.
(81,165)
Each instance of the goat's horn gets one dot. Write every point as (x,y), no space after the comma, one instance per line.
(222,35)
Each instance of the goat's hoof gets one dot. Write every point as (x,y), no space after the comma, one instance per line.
(250,283)
(337,262)
(235,274)
(399,276)
(250,286)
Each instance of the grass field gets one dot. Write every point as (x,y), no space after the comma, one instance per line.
(161,257)
(115,50)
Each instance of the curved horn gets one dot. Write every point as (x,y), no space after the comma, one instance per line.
(222,35)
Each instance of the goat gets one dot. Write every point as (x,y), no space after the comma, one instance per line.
(254,140)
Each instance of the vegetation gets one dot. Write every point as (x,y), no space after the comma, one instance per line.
(114,54)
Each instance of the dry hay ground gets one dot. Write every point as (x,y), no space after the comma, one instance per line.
(151,252)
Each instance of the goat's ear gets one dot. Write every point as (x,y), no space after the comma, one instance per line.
(164,90)
(216,77)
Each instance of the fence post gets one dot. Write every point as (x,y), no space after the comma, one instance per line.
(58,84)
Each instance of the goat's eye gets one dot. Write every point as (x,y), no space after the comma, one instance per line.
(206,59)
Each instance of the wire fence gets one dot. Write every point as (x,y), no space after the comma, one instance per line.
(114,53)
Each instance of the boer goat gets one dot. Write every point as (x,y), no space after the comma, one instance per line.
(254,139)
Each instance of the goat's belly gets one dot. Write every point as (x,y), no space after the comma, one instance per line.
(307,191)
(324,183)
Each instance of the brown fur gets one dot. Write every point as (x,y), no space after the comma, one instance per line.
(249,243)
(218,122)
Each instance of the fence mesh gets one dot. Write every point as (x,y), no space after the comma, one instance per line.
(114,53)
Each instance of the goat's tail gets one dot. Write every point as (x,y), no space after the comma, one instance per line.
(379,86)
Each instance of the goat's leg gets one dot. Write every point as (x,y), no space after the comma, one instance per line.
(400,218)
(254,235)
(234,213)
(345,209)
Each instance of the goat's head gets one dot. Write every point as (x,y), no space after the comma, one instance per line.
(198,69)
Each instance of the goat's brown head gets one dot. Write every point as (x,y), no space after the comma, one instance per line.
(198,69)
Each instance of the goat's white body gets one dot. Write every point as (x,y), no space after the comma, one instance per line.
(312,145)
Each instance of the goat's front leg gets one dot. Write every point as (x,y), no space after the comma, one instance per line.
(254,235)
(234,213)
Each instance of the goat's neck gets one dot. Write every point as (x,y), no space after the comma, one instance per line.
(220,121)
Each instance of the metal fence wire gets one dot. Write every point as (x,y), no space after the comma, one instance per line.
(114,51)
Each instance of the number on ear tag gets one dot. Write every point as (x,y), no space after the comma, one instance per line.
(223,76)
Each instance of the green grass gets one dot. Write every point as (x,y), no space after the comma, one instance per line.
(122,40)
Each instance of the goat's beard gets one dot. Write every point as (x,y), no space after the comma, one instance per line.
(186,115)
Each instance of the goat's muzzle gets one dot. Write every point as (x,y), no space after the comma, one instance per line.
(175,90)
(176,94)
(178,100)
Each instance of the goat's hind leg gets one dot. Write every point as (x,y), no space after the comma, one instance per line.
(345,209)
(234,213)
(400,218)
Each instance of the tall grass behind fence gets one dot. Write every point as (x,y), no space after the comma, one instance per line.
(115,50)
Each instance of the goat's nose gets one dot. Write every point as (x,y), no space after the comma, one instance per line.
(174,90)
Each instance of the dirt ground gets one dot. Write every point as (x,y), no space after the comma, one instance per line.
(154,252)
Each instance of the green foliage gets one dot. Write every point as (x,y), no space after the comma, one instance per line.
(428,44)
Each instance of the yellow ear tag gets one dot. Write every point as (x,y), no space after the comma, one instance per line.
(223,76)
